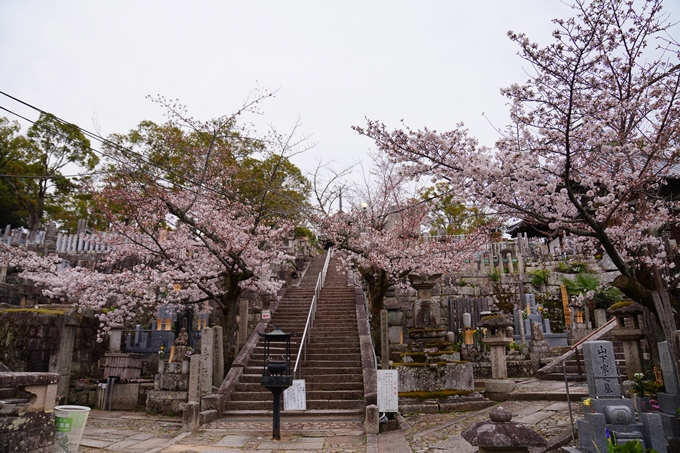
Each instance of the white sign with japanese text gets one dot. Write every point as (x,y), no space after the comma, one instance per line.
(388,391)
(295,396)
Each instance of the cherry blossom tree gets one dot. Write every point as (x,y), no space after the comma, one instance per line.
(592,148)
(184,228)
(381,235)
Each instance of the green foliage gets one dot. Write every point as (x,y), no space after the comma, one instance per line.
(632,446)
(513,346)
(301,231)
(450,216)
(36,189)
(494,276)
(539,277)
(267,181)
(639,384)
(585,282)
(575,267)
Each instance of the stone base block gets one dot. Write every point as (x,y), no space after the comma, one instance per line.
(165,402)
(499,386)
(213,402)
(436,377)
(668,403)
(371,425)
(206,417)
(670,425)
(190,416)
(172,382)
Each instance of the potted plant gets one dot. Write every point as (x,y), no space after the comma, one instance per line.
(641,400)
(161,359)
(185,361)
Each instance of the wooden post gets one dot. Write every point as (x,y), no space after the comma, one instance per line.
(565,307)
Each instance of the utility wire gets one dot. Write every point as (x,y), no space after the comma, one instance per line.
(125,151)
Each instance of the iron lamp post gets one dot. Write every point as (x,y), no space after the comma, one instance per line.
(276,375)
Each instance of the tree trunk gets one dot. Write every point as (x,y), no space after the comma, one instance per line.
(377,288)
(228,316)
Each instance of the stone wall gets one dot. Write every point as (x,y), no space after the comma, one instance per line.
(516,369)
(500,288)
(30,337)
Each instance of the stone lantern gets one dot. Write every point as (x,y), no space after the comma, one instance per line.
(629,333)
(502,435)
(497,338)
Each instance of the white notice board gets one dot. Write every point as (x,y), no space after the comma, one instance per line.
(295,397)
(388,391)
(266,314)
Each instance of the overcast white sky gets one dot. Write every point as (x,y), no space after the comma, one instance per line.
(431,63)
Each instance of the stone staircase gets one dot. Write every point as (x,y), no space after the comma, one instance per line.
(332,369)
(575,365)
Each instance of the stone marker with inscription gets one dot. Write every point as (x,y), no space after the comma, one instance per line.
(608,409)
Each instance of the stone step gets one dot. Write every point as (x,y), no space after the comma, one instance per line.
(255,377)
(310,386)
(333,395)
(315,348)
(307,364)
(338,368)
(311,405)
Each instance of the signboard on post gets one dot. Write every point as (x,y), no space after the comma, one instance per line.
(266,314)
(295,396)
(388,391)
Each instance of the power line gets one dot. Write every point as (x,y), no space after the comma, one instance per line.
(127,152)
(118,147)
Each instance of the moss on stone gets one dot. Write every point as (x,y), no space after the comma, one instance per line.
(419,357)
(424,395)
(618,305)
(43,311)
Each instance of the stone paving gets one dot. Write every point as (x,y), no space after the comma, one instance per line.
(423,433)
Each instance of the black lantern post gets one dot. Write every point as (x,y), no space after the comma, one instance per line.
(276,375)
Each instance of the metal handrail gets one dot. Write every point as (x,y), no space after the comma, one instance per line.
(321,279)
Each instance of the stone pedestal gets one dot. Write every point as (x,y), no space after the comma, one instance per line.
(171,390)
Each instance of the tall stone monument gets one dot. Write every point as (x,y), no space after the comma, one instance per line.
(607,410)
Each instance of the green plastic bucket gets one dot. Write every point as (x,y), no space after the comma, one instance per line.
(70,424)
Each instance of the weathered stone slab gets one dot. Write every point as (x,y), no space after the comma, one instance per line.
(670,376)
(206,372)
(233,441)
(435,377)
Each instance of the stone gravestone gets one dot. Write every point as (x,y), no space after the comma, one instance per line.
(608,409)
(384,341)
(205,380)
(532,313)
(669,400)
(538,346)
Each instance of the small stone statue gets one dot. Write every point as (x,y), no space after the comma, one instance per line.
(183,338)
